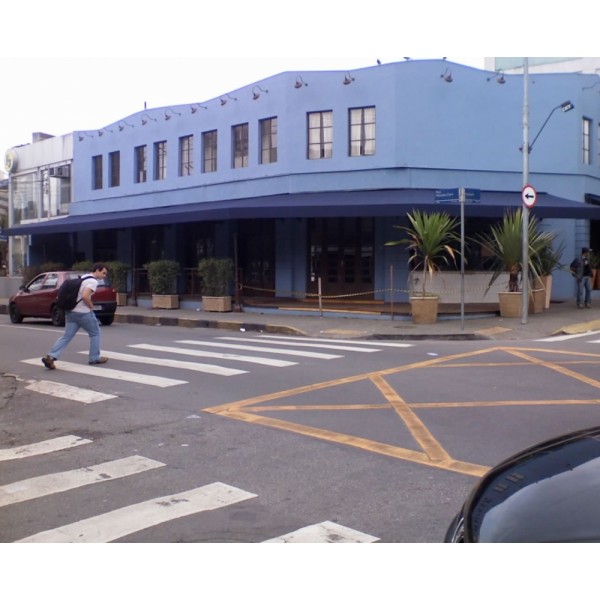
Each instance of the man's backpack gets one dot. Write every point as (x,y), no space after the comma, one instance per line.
(68,291)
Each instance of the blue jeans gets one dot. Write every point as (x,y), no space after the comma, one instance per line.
(74,321)
(584,290)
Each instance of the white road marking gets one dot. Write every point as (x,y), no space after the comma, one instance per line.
(340,341)
(125,521)
(310,345)
(54,483)
(54,445)
(237,357)
(562,338)
(103,371)
(325,532)
(69,392)
(176,364)
(268,350)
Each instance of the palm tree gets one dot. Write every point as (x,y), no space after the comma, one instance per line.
(430,241)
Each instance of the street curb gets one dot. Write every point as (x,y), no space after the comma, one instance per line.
(579,328)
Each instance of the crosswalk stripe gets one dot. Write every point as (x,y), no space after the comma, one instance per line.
(341,341)
(69,392)
(125,521)
(310,345)
(105,372)
(325,532)
(54,483)
(236,357)
(177,364)
(268,350)
(569,336)
(53,445)
(594,341)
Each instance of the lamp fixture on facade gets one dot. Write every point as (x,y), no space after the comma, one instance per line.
(300,82)
(565,106)
(225,98)
(348,79)
(82,135)
(256,90)
(101,131)
(447,75)
(122,125)
(144,121)
(168,116)
(498,76)
(589,87)
(194,108)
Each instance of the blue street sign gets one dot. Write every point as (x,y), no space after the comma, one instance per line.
(453,195)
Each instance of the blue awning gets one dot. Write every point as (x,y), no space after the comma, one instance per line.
(366,203)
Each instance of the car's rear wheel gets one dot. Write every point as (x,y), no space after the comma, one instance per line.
(58,316)
(107,320)
(15,315)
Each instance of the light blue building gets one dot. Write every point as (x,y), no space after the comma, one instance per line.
(301,176)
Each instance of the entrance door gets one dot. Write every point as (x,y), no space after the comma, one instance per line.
(256,256)
(341,254)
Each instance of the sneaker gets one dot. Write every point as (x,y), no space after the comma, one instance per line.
(588,306)
(49,362)
(100,361)
(580,306)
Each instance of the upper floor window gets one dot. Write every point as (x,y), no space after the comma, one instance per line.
(186,155)
(320,134)
(141,164)
(209,151)
(587,141)
(268,140)
(97,172)
(362,131)
(114,169)
(160,160)
(239,134)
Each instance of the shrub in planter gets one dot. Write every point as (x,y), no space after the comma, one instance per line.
(117,274)
(217,276)
(82,265)
(162,276)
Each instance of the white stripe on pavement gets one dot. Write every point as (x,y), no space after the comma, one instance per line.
(310,345)
(325,532)
(223,356)
(69,392)
(103,371)
(269,350)
(53,445)
(571,336)
(167,362)
(54,483)
(340,341)
(125,521)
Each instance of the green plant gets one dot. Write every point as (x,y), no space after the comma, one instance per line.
(431,241)
(162,276)
(217,276)
(504,242)
(549,257)
(82,265)
(117,273)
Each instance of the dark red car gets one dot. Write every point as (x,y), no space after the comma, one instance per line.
(37,299)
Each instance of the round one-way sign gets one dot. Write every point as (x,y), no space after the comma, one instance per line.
(529,196)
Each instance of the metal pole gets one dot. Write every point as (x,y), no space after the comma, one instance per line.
(461,198)
(392,292)
(320,297)
(525,209)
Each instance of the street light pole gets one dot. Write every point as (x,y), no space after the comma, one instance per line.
(525,209)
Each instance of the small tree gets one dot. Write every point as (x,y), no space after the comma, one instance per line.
(117,273)
(162,276)
(217,276)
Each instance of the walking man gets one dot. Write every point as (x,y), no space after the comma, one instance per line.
(81,316)
(584,280)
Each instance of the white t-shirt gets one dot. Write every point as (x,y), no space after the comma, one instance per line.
(92,283)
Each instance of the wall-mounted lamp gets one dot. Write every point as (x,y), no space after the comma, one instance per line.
(256,90)
(83,135)
(589,87)
(224,99)
(194,108)
(447,75)
(168,116)
(122,125)
(566,106)
(348,79)
(144,121)
(101,131)
(300,82)
(498,76)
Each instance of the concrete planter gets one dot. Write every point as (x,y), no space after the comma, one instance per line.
(168,301)
(510,304)
(216,303)
(424,310)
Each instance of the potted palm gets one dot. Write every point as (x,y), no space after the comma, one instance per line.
(431,239)
(162,279)
(117,273)
(217,280)
(504,242)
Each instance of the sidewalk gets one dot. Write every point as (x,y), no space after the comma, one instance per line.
(560,318)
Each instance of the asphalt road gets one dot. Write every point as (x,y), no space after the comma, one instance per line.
(275,438)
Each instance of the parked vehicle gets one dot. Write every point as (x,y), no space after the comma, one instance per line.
(547,493)
(37,299)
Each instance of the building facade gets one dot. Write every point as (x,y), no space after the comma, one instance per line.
(301,177)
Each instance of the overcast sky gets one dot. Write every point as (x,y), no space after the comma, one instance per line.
(68,65)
